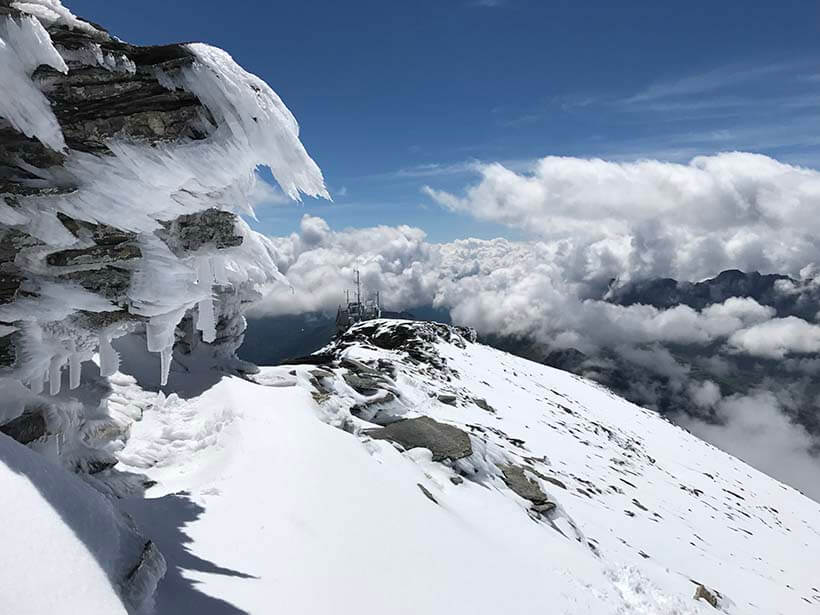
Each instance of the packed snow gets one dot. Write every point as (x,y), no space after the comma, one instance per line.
(61,539)
(271,496)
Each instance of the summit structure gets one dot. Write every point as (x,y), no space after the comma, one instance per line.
(358,310)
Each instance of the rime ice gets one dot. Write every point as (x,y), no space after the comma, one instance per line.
(121,230)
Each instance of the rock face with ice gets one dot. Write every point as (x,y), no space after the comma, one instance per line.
(122,173)
(122,169)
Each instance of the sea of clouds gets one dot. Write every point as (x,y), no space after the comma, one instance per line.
(591,222)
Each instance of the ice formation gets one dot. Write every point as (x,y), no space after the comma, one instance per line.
(123,171)
(136,205)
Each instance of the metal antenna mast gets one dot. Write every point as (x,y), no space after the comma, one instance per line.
(358,289)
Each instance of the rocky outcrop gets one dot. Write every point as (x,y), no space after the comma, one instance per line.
(207,229)
(516,479)
(120,95)
(444,441)
(702,593)
(26,428)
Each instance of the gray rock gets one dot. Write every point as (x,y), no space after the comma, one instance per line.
(95,466)
(702,593)
(18,155)
(447,398)
(9,286)
(517,480)
(359,367)
(8,350)
(444,441)
(100,234)
(110,282)
(554,481)
(366,385)
(12,242)
(26,428)
(94,104)
(96,255)
(427,493)
(188,233)
(482,403)
(94,321)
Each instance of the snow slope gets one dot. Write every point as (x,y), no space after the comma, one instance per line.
(53,523)
(274,496)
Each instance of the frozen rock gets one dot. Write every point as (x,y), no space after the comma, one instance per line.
(447,398)
(210,228)
(26,428)
(516,479)
(444,441)
(96,255)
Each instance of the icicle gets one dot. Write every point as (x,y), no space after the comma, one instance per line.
(109,358)
(156,335)
(55,374)
(36,383)
(206,319)
(165,363)
(75,367)
(160,329)
(160,338)
(219,270)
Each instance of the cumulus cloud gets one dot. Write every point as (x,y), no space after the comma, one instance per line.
(319,264)
(524,289)
(756,428)
(777,338)
(659,218)
(264,193)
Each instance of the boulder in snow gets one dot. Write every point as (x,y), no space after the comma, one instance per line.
(444,441)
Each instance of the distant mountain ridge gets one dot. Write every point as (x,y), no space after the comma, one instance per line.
(785,294)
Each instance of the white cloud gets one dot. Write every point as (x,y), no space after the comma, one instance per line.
(685,220)
(545,290)
(704,394)
(264,193)
(716,79)
(778,337)
(757,429)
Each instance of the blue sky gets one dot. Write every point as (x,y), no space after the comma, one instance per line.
(392,96)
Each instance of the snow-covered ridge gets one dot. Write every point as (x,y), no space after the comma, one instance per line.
(466,478)
(122,173)
(405,468)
